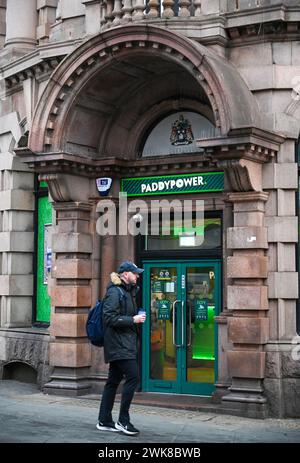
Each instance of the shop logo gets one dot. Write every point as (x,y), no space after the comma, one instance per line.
(169,185)
(181,133)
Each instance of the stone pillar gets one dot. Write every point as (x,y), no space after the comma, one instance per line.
(21,23)
(47,16)
(282,383)
(213,6)
(70,351)
(92,16)
(248,328)
(16,243)
(70,21)
(108,259)
(2,22)
(16,230)
(224,380)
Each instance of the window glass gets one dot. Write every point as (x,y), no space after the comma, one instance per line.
(205,237)
(178,133)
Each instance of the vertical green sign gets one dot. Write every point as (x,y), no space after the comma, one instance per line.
(44,258)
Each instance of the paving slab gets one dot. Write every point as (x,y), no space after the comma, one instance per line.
(29,416)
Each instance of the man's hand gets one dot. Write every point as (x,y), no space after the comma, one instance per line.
(139,318)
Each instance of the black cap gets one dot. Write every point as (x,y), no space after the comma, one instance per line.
(129,267)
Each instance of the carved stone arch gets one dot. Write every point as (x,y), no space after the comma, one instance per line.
(232,103)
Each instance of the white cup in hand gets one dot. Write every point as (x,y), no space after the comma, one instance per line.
(142,314)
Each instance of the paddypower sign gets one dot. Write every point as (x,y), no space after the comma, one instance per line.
(173,184)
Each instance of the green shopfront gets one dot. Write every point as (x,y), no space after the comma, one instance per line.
(166,119)
(181,283)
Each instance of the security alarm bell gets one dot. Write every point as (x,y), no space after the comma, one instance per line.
(103,185)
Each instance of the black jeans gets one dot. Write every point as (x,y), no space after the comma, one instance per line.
(117,370)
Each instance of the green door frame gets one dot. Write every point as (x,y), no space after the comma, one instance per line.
(181,385)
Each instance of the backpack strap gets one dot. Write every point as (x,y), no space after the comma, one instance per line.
(122,297)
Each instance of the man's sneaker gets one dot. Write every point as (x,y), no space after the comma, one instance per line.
(110,426)
(127,428)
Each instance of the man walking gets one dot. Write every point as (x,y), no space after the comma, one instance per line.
(121,321)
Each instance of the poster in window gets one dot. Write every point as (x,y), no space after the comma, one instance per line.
(47,253)
(163,307)
(201,310)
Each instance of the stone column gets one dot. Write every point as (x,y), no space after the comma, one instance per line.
(2,22)
(21,23)
(70,351)
(248,328)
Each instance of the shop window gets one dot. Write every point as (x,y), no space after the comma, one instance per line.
(177,133)
(43,256)
(206,236)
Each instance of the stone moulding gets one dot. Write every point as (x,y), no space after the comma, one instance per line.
(225,89)
(240,156)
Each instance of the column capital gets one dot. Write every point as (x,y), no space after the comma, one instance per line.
(66,187)
(248,196)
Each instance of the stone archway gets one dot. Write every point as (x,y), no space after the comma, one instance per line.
(107,77)
(130,47)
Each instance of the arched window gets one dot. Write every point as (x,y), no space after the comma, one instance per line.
(177,134)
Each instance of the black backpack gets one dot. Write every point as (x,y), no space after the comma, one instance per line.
(94,325)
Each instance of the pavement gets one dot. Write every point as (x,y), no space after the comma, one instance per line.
(29,416)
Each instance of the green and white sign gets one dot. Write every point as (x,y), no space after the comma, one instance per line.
(173,184)
(163,309)
(201,310)
(158,286)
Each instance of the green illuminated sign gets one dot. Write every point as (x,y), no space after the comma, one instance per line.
(173,184)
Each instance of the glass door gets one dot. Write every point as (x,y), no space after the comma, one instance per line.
(161,296)
(201,302)
(180,336)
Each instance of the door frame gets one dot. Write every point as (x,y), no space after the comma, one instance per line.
(181,385)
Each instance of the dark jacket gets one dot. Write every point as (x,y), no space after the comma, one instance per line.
(120,339)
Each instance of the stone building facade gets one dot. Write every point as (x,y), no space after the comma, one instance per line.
(84,84)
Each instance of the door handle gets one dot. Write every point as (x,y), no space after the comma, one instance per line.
(174,324)
(182,323)
(190,326)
